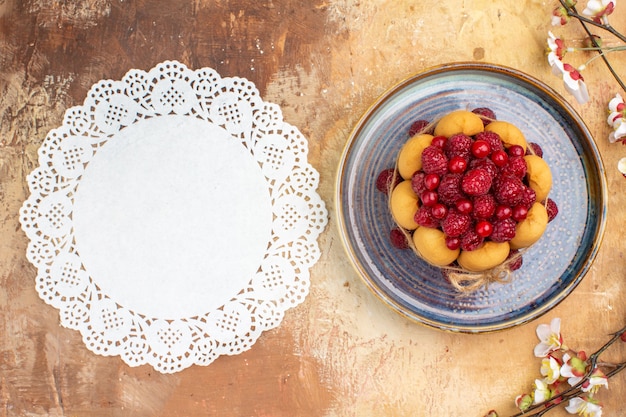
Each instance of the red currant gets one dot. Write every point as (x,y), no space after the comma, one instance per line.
(519,213)
(464,206)
(500,158)
(439,211)
(453,243)
(439,141)
(481,148)
(484,228)
(429,198)
(457,165)
(503,212)
(431,181)
(516,150)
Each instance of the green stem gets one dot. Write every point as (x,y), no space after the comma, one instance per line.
(601,52)
(599,49)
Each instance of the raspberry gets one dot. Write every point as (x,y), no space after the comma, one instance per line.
(508,190)
(471,240)
(424,217)
(387,180)
(503,230)
(528,197)
(484,206)
(450,189)
(418,126)
(534,148)
(514,260)
(476,182)
(486,114)
(455,224)
(398,238)
(516,166)
(492,138)
(486,164)
(418,183)
(434,161)
(458,145)
(552,209)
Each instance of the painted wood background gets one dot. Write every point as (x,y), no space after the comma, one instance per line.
(340,353)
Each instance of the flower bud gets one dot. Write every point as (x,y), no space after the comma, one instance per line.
(579,366)
(559,16)
(589,42)
(523,402)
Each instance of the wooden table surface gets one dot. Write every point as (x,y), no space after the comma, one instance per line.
(341,352)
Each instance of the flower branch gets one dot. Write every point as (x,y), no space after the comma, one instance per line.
(570,10)
(594,16)
(561,366)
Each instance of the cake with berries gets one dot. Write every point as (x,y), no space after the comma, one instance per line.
(469,193)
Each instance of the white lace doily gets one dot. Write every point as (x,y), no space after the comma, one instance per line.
(173,217)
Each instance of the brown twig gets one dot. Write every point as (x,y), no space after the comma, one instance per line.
(584,21)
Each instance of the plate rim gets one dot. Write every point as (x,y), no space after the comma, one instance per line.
(595,157)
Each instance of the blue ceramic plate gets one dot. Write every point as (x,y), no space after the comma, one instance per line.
(552,267)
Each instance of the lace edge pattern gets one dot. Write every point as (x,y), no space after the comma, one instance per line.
(282,280)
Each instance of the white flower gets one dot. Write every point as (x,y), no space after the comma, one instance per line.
(555,54)
(542,391)
(619,132)
(550,369)
(621,166)
(617,112)
(614,119)
(583,408)
(572,79)
(549,338)
(596,380)
(617,104)
(575,84)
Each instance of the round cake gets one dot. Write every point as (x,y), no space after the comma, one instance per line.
(469,193)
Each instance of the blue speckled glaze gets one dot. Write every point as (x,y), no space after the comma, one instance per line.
(552,267)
